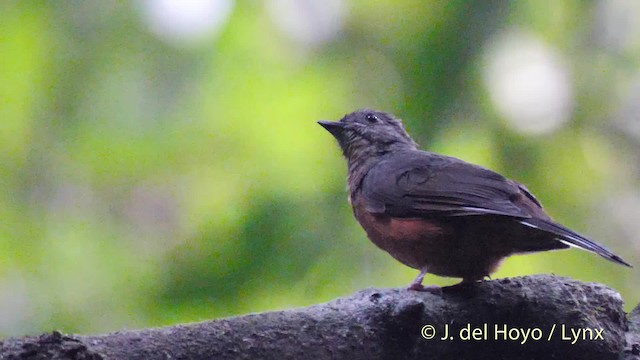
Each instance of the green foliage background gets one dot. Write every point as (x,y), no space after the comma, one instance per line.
(147,182)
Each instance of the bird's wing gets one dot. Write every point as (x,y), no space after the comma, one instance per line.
(418,183)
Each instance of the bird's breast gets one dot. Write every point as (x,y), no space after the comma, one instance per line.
(469,247)
(410,241)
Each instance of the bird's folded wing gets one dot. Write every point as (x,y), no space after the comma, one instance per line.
(424,184)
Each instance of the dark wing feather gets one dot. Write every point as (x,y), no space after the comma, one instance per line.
(418,183)
(572,238)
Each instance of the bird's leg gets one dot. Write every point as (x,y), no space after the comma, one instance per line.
(416,284)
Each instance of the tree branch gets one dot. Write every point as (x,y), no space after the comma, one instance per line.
(518,318)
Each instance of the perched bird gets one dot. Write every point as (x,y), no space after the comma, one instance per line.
(436,213)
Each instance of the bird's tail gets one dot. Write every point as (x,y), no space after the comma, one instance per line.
(572,238)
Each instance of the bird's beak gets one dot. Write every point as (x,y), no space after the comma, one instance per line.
(334,127)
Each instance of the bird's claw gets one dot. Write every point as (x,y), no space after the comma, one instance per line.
(436,290)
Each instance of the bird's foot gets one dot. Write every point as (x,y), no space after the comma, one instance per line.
(436,290)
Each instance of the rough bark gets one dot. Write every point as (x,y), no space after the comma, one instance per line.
(386,324)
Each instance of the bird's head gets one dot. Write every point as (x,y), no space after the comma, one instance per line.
(369,133)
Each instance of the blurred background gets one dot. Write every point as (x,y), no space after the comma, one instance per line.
(161,162)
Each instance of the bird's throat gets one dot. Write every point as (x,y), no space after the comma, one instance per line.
(358,168)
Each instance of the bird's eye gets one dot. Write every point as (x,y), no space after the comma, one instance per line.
(372,118)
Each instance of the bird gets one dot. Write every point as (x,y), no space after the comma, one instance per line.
(439,214)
